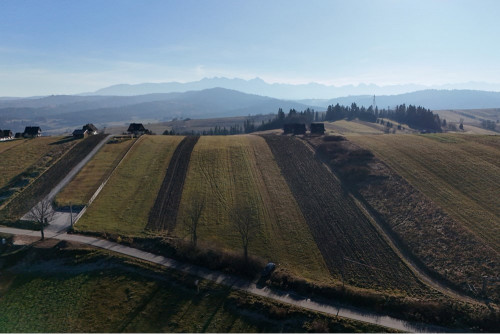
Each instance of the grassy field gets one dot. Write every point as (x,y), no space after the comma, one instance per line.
(18,155)
(82,187)
(352,127)
(123,205)
(223,170)
(82,290)
(459,172)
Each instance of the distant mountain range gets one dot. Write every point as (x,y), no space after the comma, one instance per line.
(430,98)
(63,113)
(281,91)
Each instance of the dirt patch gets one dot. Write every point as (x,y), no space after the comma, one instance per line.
(163,215)
(352,248)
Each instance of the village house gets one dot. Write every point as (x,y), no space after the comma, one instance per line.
(91,129)
(32,132)
(137,129)
(6,135)
(79,133)
(86,130)
(318,128)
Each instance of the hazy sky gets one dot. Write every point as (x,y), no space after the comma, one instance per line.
(63,47)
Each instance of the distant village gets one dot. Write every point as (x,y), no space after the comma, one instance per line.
(134,129)
(138,129)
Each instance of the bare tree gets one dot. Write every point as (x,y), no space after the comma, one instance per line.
(246,220)
(193,217)
(42,213)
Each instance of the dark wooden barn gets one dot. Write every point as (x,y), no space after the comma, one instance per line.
(318,128)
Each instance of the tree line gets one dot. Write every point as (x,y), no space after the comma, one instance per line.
(415,117)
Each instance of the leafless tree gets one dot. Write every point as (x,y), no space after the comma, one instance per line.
(42,213)
(192,220)
(246,220)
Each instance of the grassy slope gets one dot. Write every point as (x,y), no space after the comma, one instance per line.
(18,155)
(123,205)
(224,168)
(90,291)
(350,127)
(461,173)
(82,187)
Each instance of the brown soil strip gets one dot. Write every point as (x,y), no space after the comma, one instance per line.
(347,240)
(164,212)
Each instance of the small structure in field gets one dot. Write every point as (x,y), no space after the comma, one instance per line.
(18,135)
(318,128)
(294,128)
(87,130)
(32,132)
(91,129)
(78,133)
(137,129)
(287,129)
(6,135)
(299,129)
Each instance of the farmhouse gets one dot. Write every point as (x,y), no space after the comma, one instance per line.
(137,129)
(5,135)
(287,129)
(318,128)
(295,128)
(32,132)
(90,128)
(299,129)
(80,133)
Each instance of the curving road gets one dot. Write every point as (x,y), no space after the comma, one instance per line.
(239,283)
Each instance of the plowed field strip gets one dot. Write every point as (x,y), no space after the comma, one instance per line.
(163,215)
(347,240)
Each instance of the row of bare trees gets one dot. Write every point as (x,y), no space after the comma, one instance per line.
(244,216)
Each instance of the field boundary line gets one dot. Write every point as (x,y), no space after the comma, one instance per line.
(96,193)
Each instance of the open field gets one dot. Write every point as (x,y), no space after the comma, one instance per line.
(7,145)
(163,214)
(23,201)
(227,169)
(408,207)
(18,155)
(469,116)
(351,246)
(124,203)
(354,127)
(461,173)
(84,290)
(82,187)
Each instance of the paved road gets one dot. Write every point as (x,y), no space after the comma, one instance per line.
(238,283)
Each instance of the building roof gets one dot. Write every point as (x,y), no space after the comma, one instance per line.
(32,130)
(5,133)
(79,132)
(89,127)
(133,127)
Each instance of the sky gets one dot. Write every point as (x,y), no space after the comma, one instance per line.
(66,47)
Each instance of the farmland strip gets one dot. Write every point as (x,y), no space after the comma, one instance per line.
(343,234)
(164,212)
(42,186)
